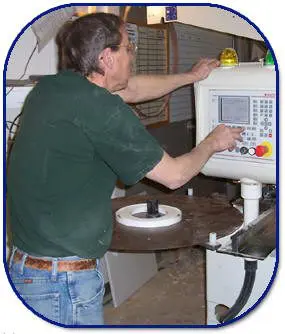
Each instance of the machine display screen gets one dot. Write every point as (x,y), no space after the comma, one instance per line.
(234,109)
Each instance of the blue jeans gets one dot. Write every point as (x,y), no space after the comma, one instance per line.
(67,298)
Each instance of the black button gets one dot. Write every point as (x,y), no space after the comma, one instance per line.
(243,150)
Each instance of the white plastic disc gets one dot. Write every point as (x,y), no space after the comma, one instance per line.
(126,216)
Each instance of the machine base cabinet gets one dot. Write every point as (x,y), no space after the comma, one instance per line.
(225,277)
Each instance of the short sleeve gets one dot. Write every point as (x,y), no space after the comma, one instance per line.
(122,141)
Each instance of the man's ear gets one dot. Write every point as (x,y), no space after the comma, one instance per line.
(106,58)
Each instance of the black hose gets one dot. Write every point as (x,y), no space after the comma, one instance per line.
(249,279)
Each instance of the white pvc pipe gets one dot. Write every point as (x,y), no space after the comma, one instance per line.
(251,192)
(251,210)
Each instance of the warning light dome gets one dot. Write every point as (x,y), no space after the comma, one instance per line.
(229,57)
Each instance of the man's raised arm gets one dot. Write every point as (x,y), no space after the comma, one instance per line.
(143,88)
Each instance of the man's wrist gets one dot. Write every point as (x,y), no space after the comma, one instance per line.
(209,145)
(189,77)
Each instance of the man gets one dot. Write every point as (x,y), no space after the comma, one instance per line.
(77,137)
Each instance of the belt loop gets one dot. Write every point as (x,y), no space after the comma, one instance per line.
(23,263)
(12,256)
(54,269)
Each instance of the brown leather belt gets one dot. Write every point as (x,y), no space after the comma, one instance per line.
(41,264)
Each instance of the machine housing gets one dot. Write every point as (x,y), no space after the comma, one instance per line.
(239,96)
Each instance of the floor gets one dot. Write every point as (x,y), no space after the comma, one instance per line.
(175,296)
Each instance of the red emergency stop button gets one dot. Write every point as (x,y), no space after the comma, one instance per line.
(260,150)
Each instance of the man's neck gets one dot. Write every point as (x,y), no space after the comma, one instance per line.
(100,81)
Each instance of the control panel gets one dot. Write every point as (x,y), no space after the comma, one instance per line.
(240,96)
(255,112)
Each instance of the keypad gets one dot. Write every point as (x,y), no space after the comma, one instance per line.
(265,109)
(260,127)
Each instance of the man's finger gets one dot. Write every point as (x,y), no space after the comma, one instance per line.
(238,130)
(213,64)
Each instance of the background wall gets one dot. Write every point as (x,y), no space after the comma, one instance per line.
(44,62)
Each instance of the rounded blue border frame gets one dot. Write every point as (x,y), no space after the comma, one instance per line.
(277,167)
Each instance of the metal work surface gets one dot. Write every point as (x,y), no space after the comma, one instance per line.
(255,241)
(200,216)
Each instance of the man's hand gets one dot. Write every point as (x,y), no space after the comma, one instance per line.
(203,68)
(224,138)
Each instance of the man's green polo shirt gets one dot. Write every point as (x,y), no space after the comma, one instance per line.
(75,140)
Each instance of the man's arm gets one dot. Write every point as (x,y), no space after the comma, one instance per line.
(175,172)
(148,87)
